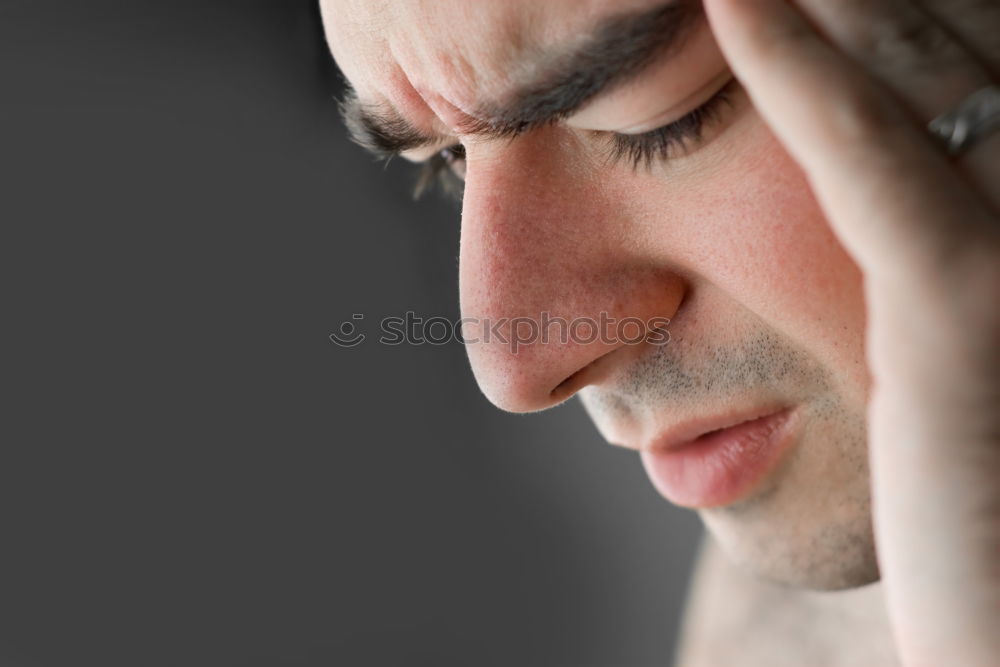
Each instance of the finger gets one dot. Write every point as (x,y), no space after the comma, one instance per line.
(910,52)
(975,23)
(896,203)
(925,65)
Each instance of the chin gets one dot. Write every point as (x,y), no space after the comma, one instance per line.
(810,525)
(822,555)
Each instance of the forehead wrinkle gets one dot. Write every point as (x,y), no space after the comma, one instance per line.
(435,95)
(450,78)
(410,98)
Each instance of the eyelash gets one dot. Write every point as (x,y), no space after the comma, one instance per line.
(662,142)
(438,171)
(636,149)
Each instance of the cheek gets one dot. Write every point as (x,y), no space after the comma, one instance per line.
(771,246)
(752,232)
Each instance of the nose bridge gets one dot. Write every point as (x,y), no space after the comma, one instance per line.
(527,228)
(542,247)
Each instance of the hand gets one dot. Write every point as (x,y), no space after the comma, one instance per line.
(848,87)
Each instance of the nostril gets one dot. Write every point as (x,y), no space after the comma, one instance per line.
(589,374)
(566,388)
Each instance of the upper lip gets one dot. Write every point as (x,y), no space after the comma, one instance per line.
(685,432)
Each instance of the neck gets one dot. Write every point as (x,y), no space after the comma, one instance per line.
(734,618)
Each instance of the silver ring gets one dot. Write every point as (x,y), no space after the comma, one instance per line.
(975,117)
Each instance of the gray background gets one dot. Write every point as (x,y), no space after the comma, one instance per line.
(191,473)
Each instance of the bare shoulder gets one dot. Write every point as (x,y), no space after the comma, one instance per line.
(734,619)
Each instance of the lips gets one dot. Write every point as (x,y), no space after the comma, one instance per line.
(711,464)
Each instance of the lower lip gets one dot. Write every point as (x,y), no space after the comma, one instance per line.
(722,467)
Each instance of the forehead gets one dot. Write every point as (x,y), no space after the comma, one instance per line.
(412,52)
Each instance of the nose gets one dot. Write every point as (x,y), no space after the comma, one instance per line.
(555,290)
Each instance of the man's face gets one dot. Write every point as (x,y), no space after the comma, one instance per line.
(564,216)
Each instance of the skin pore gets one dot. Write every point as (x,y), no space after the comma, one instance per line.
(720,234)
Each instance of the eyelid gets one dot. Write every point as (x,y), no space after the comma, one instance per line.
(703,95)
(692,102)
(661,143)
(637,148)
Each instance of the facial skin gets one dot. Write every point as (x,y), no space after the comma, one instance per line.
(724,239)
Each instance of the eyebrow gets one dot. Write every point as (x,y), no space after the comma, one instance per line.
(616,50)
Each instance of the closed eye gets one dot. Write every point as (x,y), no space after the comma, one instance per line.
(664,142)
(446,168)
